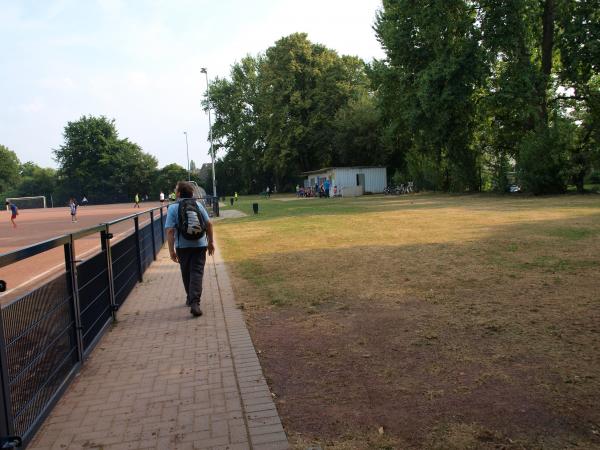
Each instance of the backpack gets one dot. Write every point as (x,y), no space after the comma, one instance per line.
(190,221)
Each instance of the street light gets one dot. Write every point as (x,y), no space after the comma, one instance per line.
(187,153)
(212,151)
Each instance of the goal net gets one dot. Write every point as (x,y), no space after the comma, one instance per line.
(28,202)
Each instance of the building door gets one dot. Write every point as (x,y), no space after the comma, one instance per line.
(360,179)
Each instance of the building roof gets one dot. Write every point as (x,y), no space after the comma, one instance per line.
(327,169)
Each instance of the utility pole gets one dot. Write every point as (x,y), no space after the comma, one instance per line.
(187,153)
(212,150)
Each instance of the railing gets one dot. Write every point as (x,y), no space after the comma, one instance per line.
(46,334)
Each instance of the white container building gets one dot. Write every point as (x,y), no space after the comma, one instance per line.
(349,181)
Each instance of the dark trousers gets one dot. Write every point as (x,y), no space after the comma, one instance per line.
(191,263)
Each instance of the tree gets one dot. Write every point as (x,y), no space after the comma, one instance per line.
(577,37)
(356,128)
(9,170)
(276,115)
(303,87)
(95,162)
(36,180)
(239,123)
(481,86)
(435,65)
(168,177)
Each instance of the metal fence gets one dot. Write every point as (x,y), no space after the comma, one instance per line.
(46,334)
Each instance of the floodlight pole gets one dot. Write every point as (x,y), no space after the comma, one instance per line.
(212,150)
(187,152)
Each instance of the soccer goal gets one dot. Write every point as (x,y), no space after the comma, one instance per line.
(28,202)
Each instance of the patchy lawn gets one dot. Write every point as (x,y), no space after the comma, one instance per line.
(425,321)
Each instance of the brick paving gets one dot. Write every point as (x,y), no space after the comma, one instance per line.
(161,379)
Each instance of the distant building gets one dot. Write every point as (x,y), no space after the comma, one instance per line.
(350,181)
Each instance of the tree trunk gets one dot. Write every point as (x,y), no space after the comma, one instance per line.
(579,183)
(547,50)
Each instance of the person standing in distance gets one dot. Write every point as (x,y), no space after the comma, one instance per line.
(161,197)
(188,251)
(73,208)
(137,201)
(14,212)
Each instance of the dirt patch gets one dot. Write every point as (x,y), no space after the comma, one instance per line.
(229,214)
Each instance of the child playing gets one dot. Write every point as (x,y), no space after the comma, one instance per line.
(73,207)
(14,212)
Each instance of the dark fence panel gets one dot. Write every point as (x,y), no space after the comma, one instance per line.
(146,246)
(212,205)
(157,234)
(41,349)
(94,297)
(125,269)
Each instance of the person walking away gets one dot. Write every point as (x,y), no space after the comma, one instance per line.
(14,212)
(327,185)
(235,195)
(268,192)
(162,198)
(137,201)
(73,208)
(190,237)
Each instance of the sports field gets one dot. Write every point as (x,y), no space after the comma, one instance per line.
(425,321)
(36,225)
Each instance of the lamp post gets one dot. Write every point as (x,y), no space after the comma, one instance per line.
(187,153)
(212,151)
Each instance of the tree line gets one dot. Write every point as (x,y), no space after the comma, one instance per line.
(93,161)
(471,96)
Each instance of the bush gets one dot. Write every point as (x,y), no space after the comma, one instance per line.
(543,166)
(423,171)
(594,177)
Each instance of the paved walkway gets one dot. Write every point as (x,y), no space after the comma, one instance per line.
(161,379)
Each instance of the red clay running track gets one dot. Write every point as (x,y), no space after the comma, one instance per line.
(36,225)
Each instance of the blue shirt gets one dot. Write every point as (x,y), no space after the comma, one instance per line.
(13,209)
(172,219)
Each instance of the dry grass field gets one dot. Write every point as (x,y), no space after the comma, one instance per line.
(425,321)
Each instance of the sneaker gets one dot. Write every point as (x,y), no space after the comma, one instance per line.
(195,310)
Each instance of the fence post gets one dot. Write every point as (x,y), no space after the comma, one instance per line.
(216,206)
(6,419)
(71,267)
(162,228)
(138,248)
(152,235)
(105,237)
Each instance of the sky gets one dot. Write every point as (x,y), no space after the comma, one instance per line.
(139,61)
